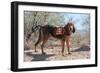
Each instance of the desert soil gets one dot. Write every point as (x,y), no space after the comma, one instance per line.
(54,53)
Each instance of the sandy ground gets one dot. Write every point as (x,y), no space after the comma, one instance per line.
(54,53)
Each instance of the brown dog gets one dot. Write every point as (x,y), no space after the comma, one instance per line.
(62,33)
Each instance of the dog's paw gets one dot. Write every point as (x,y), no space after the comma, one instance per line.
(43,53)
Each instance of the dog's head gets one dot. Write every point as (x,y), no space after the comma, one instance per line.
(69,28)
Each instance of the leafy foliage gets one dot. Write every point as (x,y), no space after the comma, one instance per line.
(33,18)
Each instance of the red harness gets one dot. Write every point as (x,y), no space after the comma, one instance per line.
(59,31)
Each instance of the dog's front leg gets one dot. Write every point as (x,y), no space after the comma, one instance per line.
(68,42)
(63,45)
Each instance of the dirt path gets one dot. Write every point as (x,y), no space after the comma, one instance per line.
(55,54)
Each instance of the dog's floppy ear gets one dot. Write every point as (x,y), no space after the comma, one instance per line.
(71,27)
(74,29)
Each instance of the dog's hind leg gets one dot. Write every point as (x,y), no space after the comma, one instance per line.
(39,40)
(42,46)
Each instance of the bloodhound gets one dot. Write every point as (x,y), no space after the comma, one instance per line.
(62,33)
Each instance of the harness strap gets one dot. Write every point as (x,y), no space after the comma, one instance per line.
(59,31)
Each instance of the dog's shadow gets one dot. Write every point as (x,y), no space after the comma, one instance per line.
(82,48)
(39,57)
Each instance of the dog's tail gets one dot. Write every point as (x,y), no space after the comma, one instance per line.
(33,29)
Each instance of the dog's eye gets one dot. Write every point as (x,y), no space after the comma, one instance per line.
(71,28)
